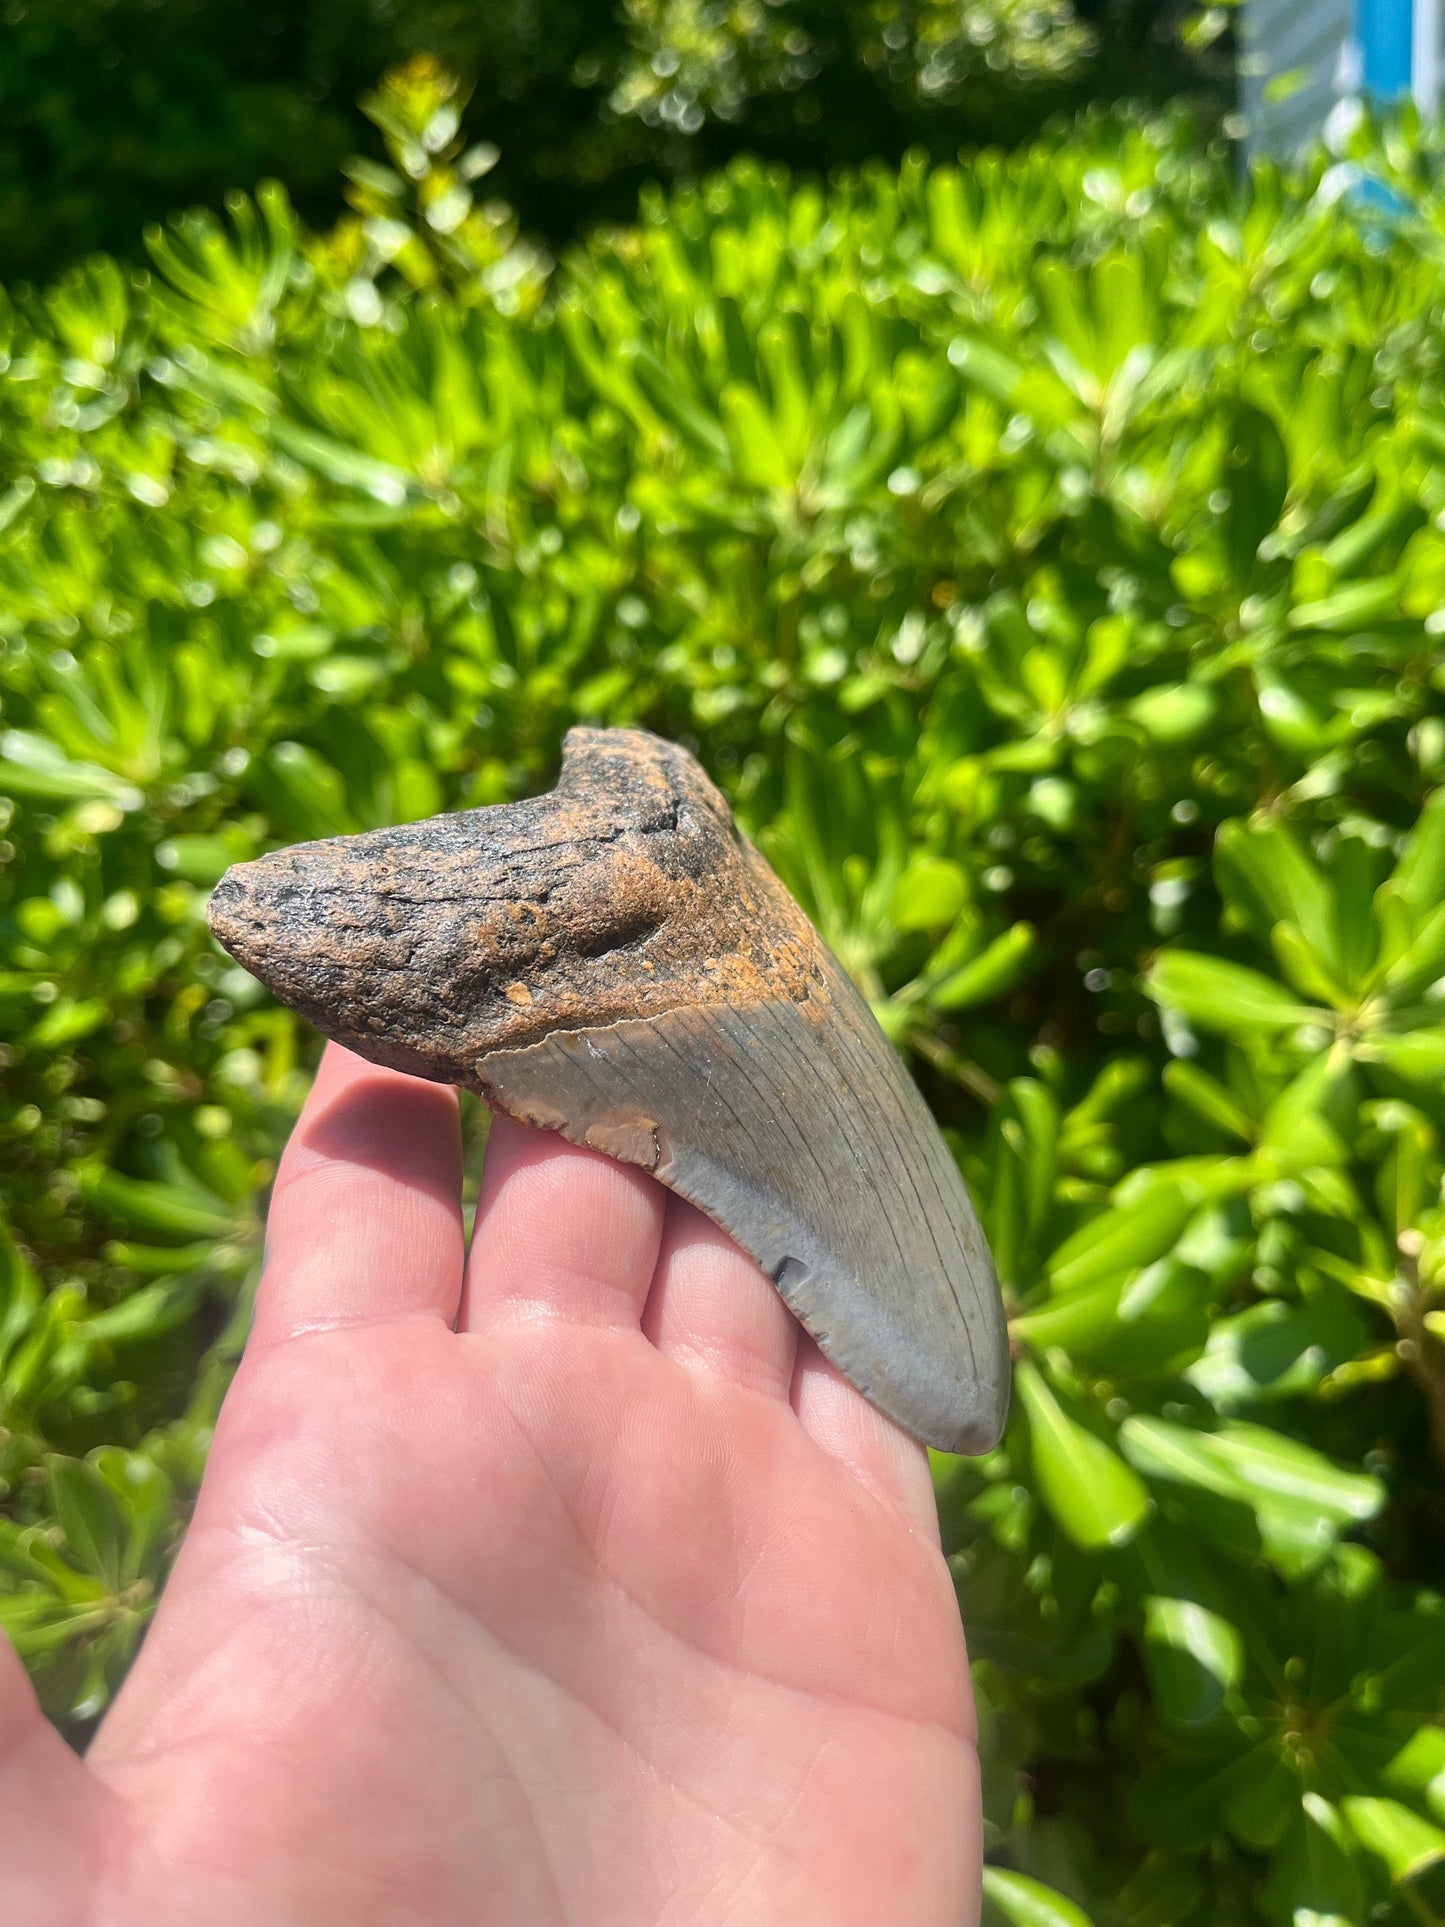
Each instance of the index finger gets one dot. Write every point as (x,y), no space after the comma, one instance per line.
(365,1221)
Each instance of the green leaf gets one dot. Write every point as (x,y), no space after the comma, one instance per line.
(307,794)
(1315,1879)
(67,1021)
(929,894)
(1264,861)
(156,1207)
(1422,960)
(1349,608)
(1419,1767)
(1306,970)
(31,765)
(1195,1657)
(1276,1350)
(21,1560)
(348,467)
(146,1497)
(1178,1804)
(1262,1797)
(1297,1128)
(985,366)
(20,1294)
(1268,1461)
(1121,1239)
(995,970)
(1022,1902)
(1175,713)
(1077,1321)
(1226,996)
(1090,1491)
(1419,877)
(1208,1099)
(1406,1842)
(1257,471)
(199,859)
(145,1313)
(39,1624)
(1300,1499)
(93,1523)
(1416,1055)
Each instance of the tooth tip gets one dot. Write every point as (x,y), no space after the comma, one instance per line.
(980,1428)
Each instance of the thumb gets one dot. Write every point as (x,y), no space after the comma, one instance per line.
(51,1812)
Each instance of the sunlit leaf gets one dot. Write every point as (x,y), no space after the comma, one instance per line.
(1406,1842)
(1015,1898)
(1226,996)
(1092,1493)
(1195,1657)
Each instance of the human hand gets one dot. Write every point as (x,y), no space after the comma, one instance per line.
(559,1584)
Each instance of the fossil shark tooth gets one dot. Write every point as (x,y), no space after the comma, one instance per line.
(615,961)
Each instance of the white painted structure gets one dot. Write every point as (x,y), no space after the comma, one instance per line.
(1299,58)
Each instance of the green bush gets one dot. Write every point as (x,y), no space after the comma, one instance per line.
(112,112)
(1048,558)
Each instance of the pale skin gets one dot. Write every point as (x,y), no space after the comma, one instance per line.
(560,1584)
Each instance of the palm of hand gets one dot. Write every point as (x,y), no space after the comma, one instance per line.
(612,1607)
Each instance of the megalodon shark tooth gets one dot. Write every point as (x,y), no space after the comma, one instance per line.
(614,960)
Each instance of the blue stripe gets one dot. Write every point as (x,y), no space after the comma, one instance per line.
(1386,29)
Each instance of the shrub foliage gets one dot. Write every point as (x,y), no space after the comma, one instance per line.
(1047,557)
(112,112)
